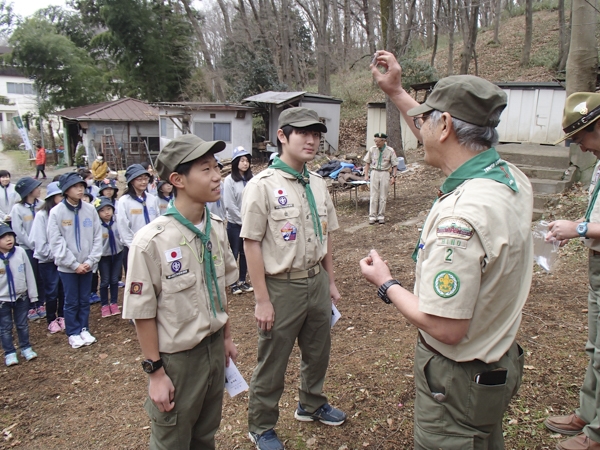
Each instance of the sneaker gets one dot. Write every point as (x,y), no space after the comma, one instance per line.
(381,221)
(121,284)
(235,289)
(54,327)
(266,441)
(114,309)
(105,310)
(61,322)
(32,314)
(86,337)
(245,287)
(94,298)
(11,359)
(326,414)
(28,354)
(75,341)
(371,221)
(41,312)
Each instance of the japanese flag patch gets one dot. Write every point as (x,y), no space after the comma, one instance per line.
(173,254)
(279,192)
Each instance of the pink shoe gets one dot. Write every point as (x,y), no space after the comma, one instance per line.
(114,309)
(61,322)
(105,311)
(54,327)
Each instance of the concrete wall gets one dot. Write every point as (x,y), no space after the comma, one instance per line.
(122,132)
(331,113)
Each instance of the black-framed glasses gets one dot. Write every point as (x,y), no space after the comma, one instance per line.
(419,121)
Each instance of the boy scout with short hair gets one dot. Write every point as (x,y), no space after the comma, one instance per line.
(378,161)
(175,290)
(286,215)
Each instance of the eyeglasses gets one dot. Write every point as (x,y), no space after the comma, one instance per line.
(419,121)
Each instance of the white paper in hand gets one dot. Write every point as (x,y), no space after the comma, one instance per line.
(234,381)
(335,315)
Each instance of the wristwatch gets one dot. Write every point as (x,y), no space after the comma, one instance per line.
(382,291)
(582,229)
(150,366)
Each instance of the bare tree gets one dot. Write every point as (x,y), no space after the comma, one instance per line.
(497,16)
(582,63)
(451,25)
(563,36)
(470,20)
(436,31)
(528,33)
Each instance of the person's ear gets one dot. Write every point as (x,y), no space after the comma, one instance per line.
(446,126)
(176,179)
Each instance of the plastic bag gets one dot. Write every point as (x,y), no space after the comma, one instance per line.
(545,253)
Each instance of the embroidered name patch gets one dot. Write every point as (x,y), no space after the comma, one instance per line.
(288,232)
(136,211)
(2,271)
(178,274)
(27,218)
(449,242)
(67,223)
(446,284)
(454,227)
(136,288)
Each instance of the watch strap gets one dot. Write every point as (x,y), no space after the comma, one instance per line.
(152,365)
(382,291)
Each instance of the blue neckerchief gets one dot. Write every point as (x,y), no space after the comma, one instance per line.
(75,210)
(12,291)
(111,236)
(143,202)
(6,192)
(32,206)
(244,180)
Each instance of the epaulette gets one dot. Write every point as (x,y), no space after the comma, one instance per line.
(213,216)
(265,173)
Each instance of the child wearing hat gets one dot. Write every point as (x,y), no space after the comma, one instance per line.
(90,187)
(22,215)
(111,262)
(179,266)
(75,237)
(8,196)
(165,195)
(234,186)
(108,188)
(378,161)
(48,271)
(17,288)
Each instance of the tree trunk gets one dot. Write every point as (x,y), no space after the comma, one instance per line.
(435,33)
(386,21)
(52,141)
(451,25)
(347,30)
(407,28)
(582,63)
(528,33)
(324,86)
(226,20)
(369,25)
(563,36)
(497,17)
(428,16)
(469,44)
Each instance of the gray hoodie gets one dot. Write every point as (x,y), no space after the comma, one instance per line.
(39,238)
(23,277)
(8,198)
(232,199)
(22,221)
(130,216)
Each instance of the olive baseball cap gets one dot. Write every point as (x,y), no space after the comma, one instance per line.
(465,97)
(182,149)
(581,109)
(301,118)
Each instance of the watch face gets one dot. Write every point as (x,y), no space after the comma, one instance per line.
(147,366)
(582,227)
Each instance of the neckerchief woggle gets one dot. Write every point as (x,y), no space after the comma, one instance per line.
(142,200)
(210,273)
(12,291)
(381,150)
(486,164)
(111,236)
(304,179)
(75,210)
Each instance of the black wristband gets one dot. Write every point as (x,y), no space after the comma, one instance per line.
(382,291)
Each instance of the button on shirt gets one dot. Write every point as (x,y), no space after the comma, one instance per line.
(388,159)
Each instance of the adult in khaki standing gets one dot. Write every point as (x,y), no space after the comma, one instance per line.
(378,161)
(581,124)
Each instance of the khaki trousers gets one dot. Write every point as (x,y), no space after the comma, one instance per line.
(199,378)
(462,414)
(380,186)
(303,312)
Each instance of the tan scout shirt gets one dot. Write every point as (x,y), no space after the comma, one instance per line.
(166,281)
(388,160)
(476,263)
(594,244)
(276,213)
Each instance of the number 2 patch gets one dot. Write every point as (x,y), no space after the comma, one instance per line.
(448,255)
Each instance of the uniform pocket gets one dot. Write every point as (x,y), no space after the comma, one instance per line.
(284,224)
(425,440)
(179,298)
(162,419)
(486,405)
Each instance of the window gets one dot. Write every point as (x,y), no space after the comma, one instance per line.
(213,131)
(152,142)
(20,88)
(203,130)
(222,132)
(163,126)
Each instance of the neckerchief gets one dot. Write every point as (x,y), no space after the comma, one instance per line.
(32,206)
(142,200)
(304,179)
(111,236)
(12,291)
(6,192)
(75,210)
(486,164)
(210,273)
(593,198)
(380,156)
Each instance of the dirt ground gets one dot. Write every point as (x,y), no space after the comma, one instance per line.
(91,398)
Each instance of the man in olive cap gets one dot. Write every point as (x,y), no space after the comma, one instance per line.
(378,161)
(474,265)
(179,266)
(580,123)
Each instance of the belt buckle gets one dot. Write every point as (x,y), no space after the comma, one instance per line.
(311,272)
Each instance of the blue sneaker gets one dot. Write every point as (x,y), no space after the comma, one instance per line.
(32,314)
(28,354)
(326,414)
(266,441)
(94,298)
(11,359)
(121,284)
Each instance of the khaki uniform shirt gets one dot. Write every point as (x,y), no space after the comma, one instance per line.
(476,262)
(166,281)
(594,244)
(276,213)
(388,160)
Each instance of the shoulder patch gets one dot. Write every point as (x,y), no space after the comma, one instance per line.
(446,284)
(454,227)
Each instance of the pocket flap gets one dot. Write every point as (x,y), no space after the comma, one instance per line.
(285,213)
(179,283)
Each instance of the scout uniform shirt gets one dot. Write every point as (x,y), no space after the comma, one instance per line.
(594,244)
(22,220)
(388,158)
(166,281)
(23,277)
(475,262)
(275,212)
(130,215)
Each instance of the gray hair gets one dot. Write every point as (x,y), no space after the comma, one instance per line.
(473,137)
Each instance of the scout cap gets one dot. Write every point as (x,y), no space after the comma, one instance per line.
(68,180)
(465,97)
(380,135)
(5,229)
(219,163)
(238,152)
(182,149)
(107,184)
(160,184)
(581,109)
(134,171)
(101,202)
(52,189)
(301,118)
(26,185)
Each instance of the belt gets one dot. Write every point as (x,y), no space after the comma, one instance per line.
(382,170)
(298,275)
(427,346)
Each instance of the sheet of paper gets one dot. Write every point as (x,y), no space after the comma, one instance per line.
(234,381)
(335,315)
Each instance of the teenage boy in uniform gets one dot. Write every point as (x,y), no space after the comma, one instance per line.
(286,215)
(179,265)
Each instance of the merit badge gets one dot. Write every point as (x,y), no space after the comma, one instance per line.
(280,192)
(288,232)
(209,246)
(173,254)
(446,284)
(454,227)
(282,200)
(176,266)
(87,223)
(136,288)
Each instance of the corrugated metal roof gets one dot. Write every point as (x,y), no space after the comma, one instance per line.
(276,98)
(122,110)
(197,106)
